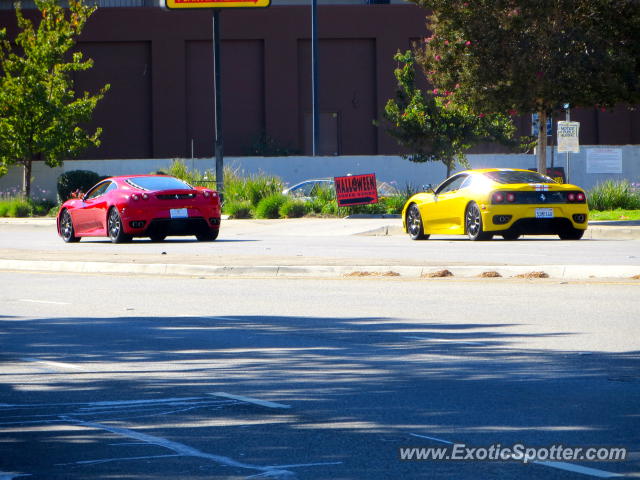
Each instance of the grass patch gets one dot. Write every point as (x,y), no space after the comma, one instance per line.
(611,195)
(617,214)
(18,207)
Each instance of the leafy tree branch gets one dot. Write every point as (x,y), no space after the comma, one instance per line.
(40,113)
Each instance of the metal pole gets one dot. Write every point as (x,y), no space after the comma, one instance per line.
(553,144)
(217,102)
(315,112)
(568,118)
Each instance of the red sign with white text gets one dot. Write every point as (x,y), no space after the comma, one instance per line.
(356,190)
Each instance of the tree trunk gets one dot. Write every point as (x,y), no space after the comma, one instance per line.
(542,143)
(26,178)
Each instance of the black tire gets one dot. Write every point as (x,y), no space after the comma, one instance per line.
(157,237)
(114,227)
(473,223)
(511,236)
(415,227)
(66,228)
(573,234)
(208,236)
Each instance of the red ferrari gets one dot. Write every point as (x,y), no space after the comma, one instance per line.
(151,206)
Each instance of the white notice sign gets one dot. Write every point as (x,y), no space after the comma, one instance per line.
(568,137)
(604,160)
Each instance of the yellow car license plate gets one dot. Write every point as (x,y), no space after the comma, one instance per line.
(544,212)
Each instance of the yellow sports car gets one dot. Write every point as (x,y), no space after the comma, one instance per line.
(497,201)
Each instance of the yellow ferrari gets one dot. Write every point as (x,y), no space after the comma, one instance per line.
(497,201)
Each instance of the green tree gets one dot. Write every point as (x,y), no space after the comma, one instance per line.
(434,128)
(40,113)
(531,56)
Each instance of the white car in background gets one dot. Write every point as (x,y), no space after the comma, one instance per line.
(307,189)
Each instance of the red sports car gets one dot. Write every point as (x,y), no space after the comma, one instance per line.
(151,206)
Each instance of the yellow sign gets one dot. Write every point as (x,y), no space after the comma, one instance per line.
(181,4)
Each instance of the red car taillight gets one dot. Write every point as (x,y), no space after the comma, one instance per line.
(137,197)
(573,197)
(497,197)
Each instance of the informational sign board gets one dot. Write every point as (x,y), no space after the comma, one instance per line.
(183,4)
(604,160)
(356,190)
(568,137)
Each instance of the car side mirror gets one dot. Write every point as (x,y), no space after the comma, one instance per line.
(77,194)
(428,188)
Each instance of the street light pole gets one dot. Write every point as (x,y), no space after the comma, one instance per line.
(567,111)
(315,113)
(217,100)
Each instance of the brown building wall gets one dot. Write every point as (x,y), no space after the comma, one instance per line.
(159,65)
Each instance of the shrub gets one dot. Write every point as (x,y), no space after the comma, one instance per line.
(395,204)
(259,187)
(180,170)
(237,208)
(269,207)
(74,180)
(15,207)
(293,209)
(611,194)
(330,208)
(42,207)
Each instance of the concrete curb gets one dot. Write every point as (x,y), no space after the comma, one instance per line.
(593,232)
(574,272)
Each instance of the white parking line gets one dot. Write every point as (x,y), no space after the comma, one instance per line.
(67,366)
(593,472)
(48,302)
(432,438)
(445,340)
(255,401)
(10,476)
(268,471)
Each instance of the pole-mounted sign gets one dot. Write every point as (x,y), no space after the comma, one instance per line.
(569,137)
(181,4)
(216,6)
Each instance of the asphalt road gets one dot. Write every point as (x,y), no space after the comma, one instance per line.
(162,377)
(317,242)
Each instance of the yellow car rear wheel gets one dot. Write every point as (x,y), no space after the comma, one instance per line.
(473,223)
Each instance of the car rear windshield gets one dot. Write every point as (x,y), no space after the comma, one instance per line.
(511,176)
(158,183)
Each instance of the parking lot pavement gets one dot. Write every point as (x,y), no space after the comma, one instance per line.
(320,247)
